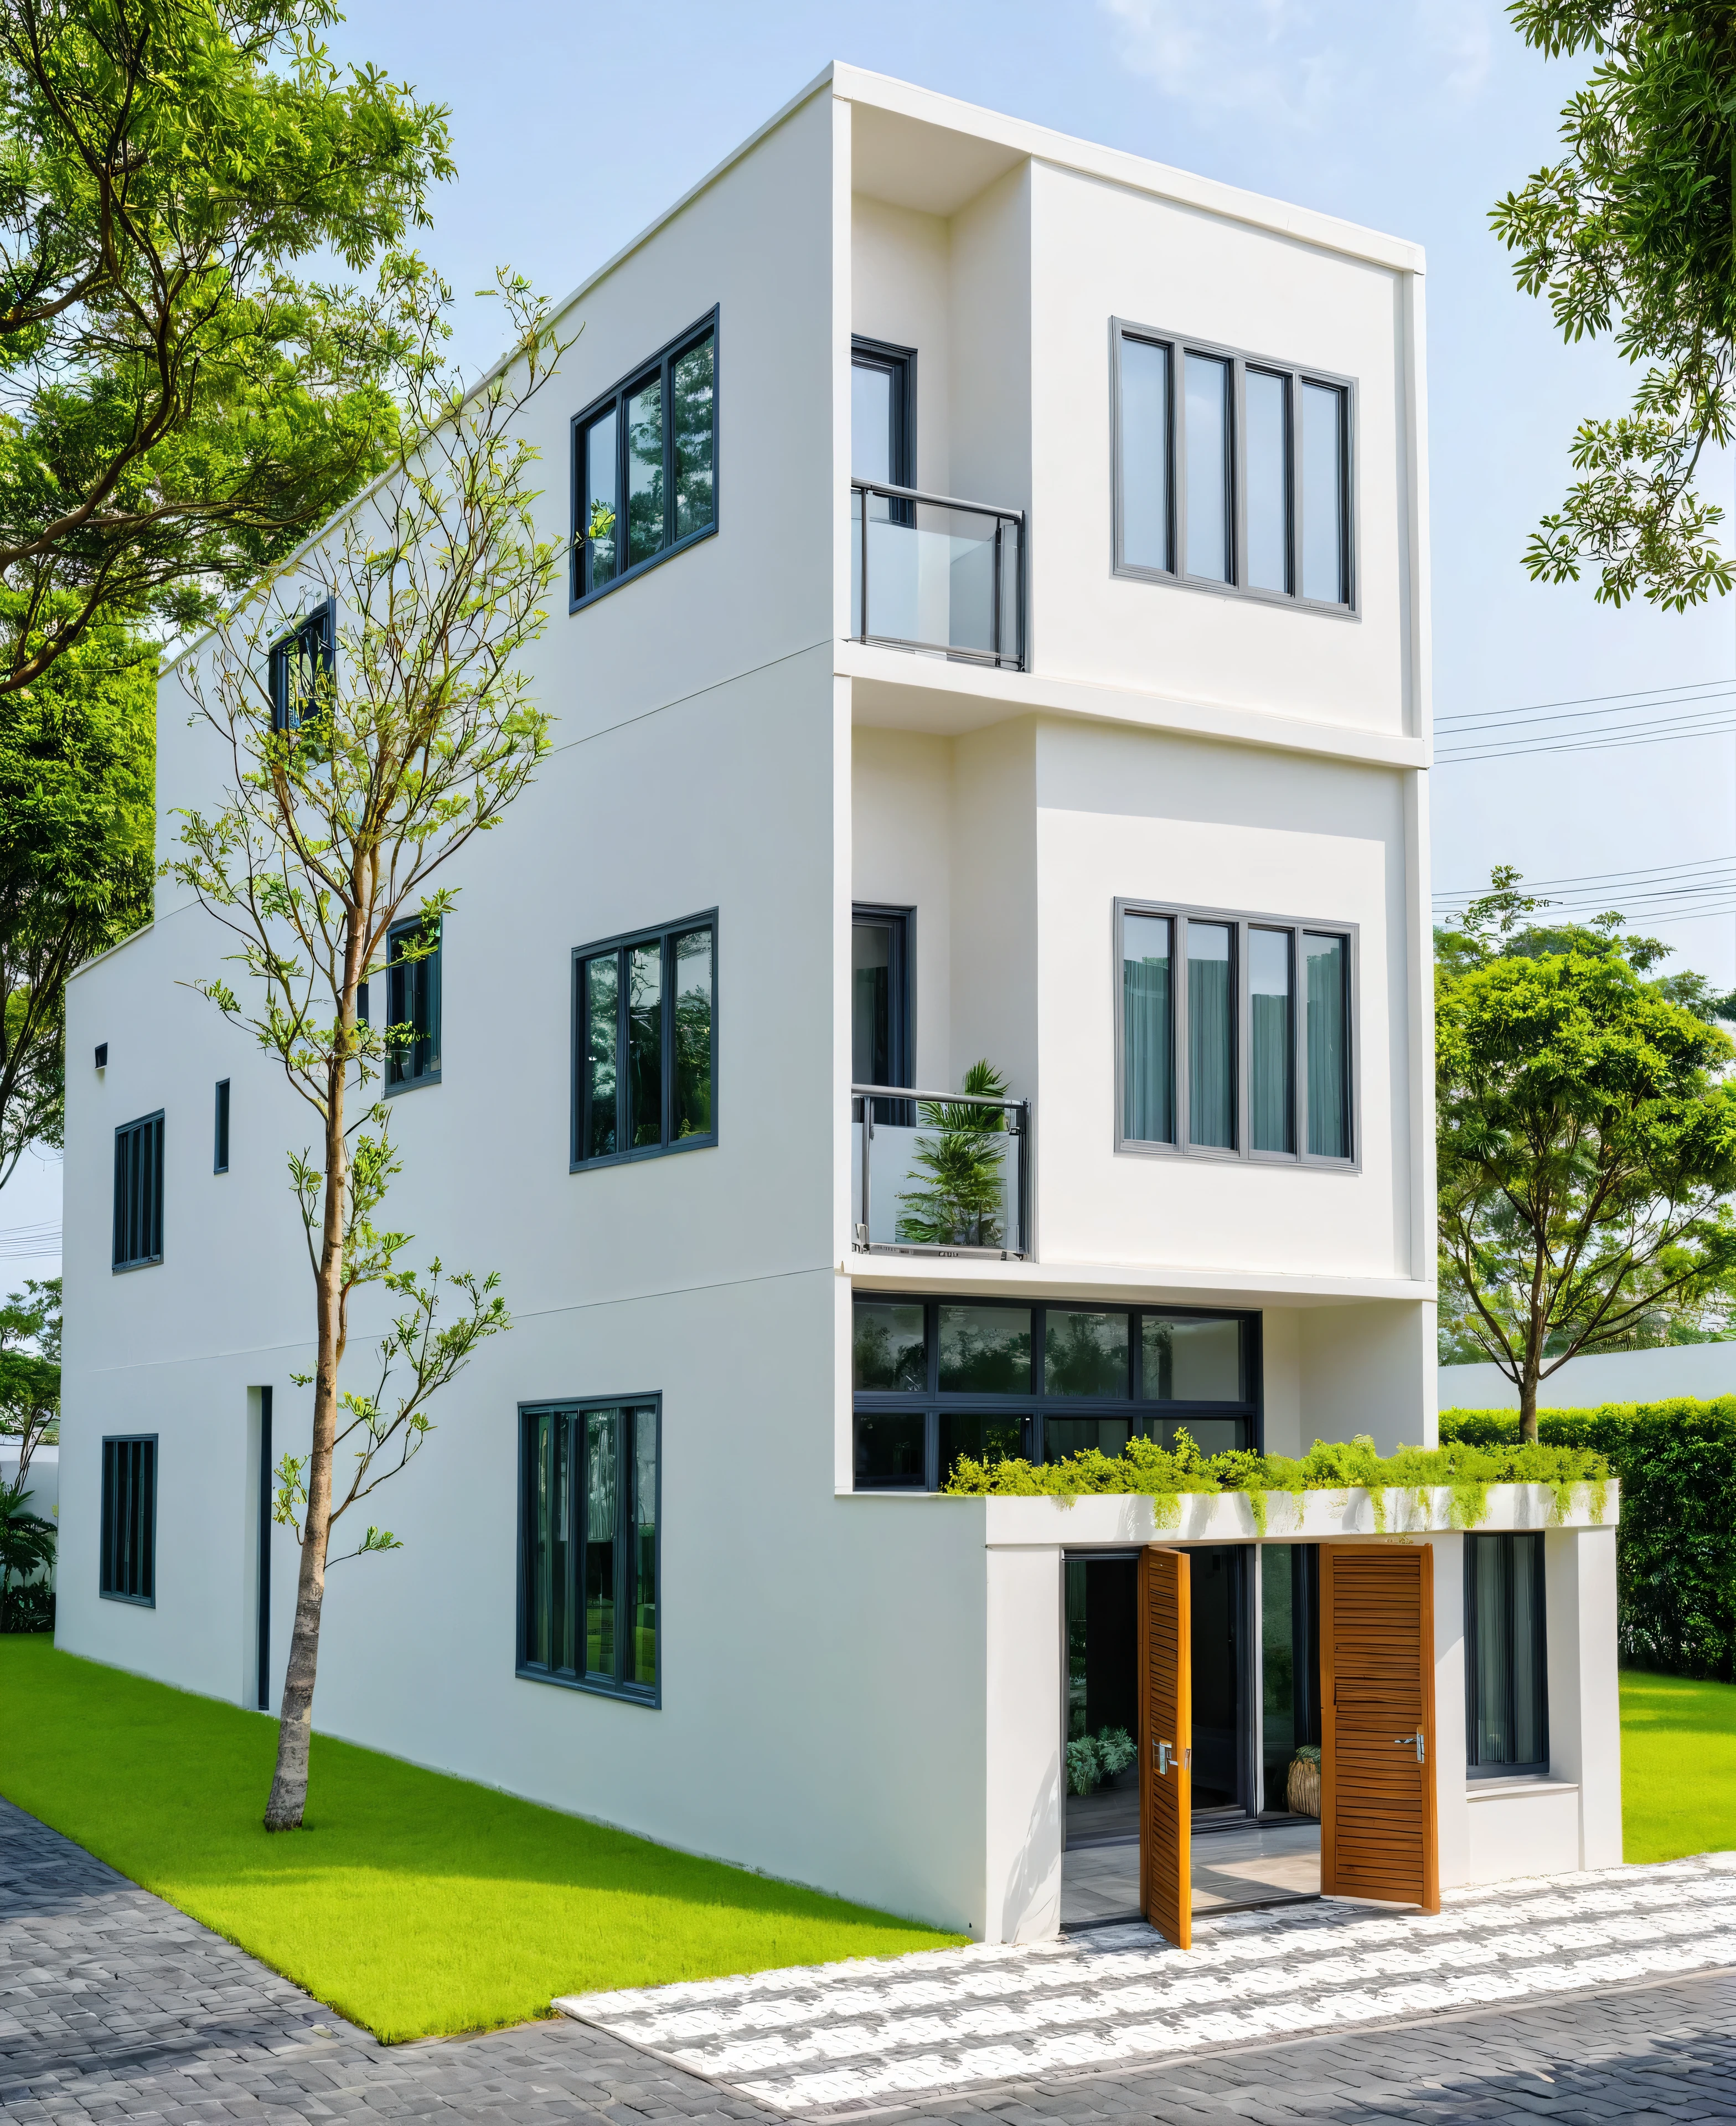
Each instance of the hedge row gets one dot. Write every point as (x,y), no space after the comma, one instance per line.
(1675,1549)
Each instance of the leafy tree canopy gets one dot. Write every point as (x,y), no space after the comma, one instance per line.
(1633,232)
(30,1368)
(176,408)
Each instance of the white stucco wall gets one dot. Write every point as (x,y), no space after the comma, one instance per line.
(1702,1371)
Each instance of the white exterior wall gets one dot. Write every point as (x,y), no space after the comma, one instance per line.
(1701,1371)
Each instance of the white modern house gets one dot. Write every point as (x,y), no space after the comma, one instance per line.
(1007,640)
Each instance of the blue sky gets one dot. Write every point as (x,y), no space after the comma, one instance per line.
(575,125)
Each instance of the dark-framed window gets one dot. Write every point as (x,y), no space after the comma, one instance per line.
(127,1563)
(220,1129)
(645,1043)
(412,981)
(882,412)
(883,1004)
(1235,1035)
(589,1562)
(1232,472)
(645,465)
(300,662)
(936,1378)
(139,1193)
(1506,1699)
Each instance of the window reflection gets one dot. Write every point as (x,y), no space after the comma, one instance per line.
(986,1351)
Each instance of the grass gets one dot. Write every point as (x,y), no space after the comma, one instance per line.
(1678,1766)
(414,1904)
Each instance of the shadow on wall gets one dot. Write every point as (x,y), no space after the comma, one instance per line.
(1031,1903)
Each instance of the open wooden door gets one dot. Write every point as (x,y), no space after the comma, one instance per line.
(1166,1744)
(1377,1724)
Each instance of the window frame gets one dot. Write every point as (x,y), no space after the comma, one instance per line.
(900,924)
(1179,915)
(573,1409)
(663,934)
(1034,1408)
(220,1128)
(900,364)
(661,364)
(119,1265)
(324,616)
(414,1083)
(1537,1768)
(1180,345)
(107,1515)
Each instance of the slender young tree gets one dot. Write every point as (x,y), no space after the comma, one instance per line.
(351,782)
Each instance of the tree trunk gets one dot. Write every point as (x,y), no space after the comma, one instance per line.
(1528,1407)
(288,1795)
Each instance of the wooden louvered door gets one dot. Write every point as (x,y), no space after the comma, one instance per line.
(1377,1736)
(1166,1744)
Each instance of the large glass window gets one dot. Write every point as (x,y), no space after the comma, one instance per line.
(935,1379)
(644,466)
(588,1558)
(127,1566)
(139,1193)
(1506,1656)
(1232,471)
(645,1060)
(413,977)
(1257,1071)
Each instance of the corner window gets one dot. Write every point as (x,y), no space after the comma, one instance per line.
(1232,472)
(412,976)
(589,1485)
(1507,1721)
(301,663)
(221,1130)
(139,1193)
(1234,1037)
(935,1379)
(644,1064)
(127,1564)
(645,472)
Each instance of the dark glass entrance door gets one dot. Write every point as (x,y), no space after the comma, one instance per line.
(1220,1674)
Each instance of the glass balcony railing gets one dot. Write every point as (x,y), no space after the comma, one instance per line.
(940,1173)
(938,575)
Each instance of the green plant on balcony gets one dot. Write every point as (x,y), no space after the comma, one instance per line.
(961,1165)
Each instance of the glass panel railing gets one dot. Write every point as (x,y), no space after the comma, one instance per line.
(931,574)
(938,1173)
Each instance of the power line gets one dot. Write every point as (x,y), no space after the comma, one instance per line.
(1619,704)
(1581,744)
(1582,700)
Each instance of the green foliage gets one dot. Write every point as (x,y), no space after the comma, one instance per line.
(1091,1759)
(30,1367)
(180,409)
(1586,1144)
(964,1164)
(1677,1543)
(27,1543)
(1634,231)
(77,825)
(1405,1480)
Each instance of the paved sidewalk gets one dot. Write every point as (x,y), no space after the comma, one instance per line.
(115,2008)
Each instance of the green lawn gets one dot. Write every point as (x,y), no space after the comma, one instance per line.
(1678,1766)
(413,1903)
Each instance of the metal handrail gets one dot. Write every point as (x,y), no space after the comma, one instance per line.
(999,656)
(1019,1119)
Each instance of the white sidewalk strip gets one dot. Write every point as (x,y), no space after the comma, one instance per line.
(822,2036)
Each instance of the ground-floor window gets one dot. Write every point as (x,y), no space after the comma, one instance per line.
(127,1572)
(1506,1656)
(935,1379)
(590,1478)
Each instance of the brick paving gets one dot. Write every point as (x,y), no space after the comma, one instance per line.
(114,2007)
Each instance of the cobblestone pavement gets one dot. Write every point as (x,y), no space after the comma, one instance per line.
(115,2008)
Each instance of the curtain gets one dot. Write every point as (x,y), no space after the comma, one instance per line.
(1210,1079)
(1268,1087)
(1148,1092)
(1328,1107)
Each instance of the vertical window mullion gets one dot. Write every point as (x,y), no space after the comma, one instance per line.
(1237,475)
(1178,452)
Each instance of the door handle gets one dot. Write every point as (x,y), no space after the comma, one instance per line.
(1404,1742)
(1163,1756)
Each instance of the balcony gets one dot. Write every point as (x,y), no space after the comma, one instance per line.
(940,1174)
(936,575)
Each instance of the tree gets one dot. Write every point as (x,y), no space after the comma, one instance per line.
(30,1367)
(962,1165)
(1586,1144)
(1634,232)
(332,826)
(179,408)
(77,829)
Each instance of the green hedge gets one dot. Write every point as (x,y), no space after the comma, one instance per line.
(1676,1548)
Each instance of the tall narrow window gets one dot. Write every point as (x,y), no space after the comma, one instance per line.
(1211,1035)
(882,451)
(588,1554)
(880,1013)
(127,1564)
(1328,1045)
(1148,522)
(221,1130)
(1210,492)
(412,970)
(139,1193)
(646,1044)
(645,465)
(1147,1030)
(1323,468)
(1271,1091)
(1267,400)
(302,665)
(1506,1644)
